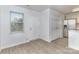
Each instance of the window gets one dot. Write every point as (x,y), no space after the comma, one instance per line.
(16,19)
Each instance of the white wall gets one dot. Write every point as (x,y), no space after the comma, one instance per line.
(36,25)
(56,23)
(30,30)
(45,25)
(0,31)
(50,20)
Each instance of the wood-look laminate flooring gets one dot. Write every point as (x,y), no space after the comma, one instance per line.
(39,46)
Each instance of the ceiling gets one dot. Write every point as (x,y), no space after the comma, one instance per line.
(61,8)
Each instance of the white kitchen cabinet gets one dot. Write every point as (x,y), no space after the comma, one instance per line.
(73,41)
(72,24)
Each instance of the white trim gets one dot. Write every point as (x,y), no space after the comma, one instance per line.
(3,47)
(15,44)
(73,48)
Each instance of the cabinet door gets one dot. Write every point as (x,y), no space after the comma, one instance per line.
(71,24)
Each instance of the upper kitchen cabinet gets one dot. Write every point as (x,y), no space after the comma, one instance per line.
(71,24)
(73,21)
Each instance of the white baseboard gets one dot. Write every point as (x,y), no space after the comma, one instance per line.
(75,48)
(47,40)
(4,47)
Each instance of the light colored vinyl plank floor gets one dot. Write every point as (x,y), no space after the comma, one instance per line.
(39,46)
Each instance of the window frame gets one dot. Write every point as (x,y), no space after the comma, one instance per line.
(22,22)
